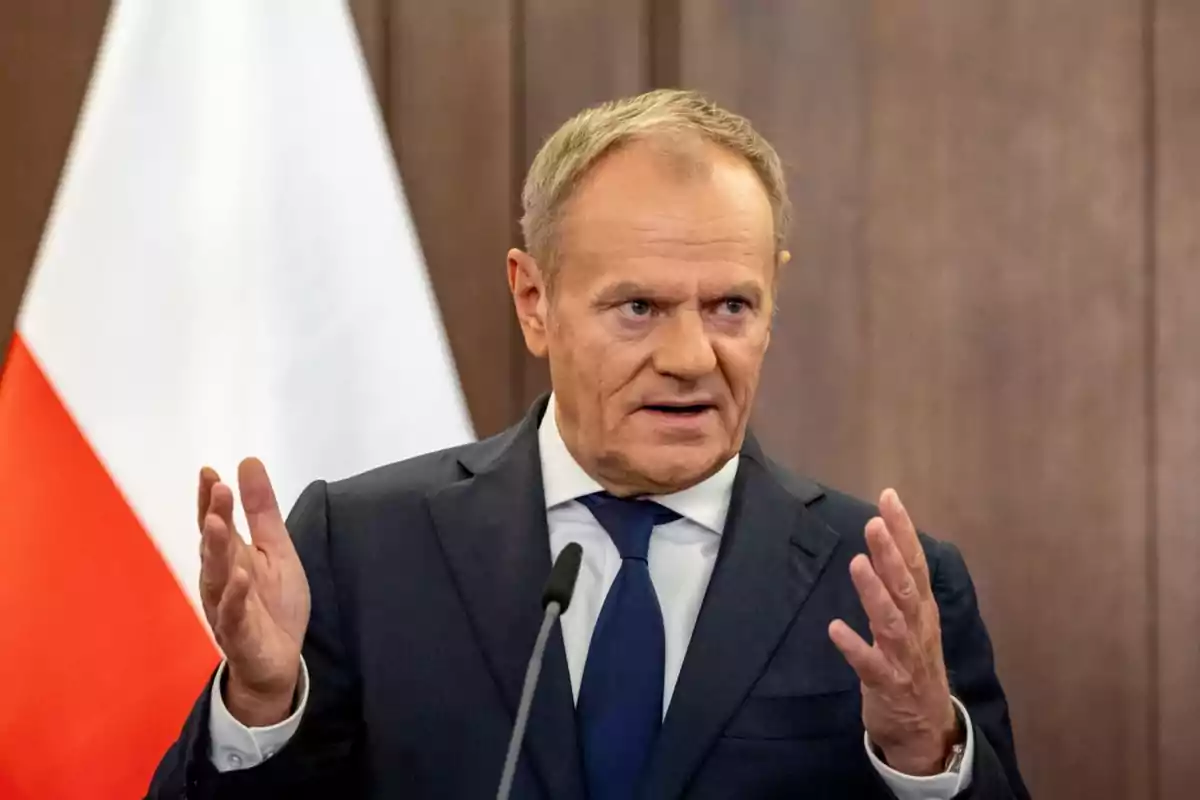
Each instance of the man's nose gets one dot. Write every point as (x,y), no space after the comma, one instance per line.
(683,349)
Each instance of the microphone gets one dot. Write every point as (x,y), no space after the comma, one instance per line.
(555,599)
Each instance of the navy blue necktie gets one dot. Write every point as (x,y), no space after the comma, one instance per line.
(620,698)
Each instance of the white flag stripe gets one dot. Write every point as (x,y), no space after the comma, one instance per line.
(230,268)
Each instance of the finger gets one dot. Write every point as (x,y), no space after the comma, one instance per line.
(887,622)
(217,558)
(889,565)
(208,479)
(231,613)
(866,661)
(267,528)
(221,504)
(900,525)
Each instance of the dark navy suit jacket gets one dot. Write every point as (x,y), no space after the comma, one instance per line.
(426,579)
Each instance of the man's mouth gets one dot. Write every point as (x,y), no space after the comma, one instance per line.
(679,409)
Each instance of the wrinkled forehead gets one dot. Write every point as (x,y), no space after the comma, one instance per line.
(677,199)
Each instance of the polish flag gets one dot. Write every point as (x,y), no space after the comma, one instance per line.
(229,269)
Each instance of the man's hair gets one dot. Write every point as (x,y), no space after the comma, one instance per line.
(571,152)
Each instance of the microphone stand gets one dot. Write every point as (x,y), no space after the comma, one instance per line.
(555,599)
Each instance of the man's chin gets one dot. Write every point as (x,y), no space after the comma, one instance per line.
(673,468)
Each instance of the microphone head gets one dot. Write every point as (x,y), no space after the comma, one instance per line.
(560,586)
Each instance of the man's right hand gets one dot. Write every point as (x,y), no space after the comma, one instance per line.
(255,595)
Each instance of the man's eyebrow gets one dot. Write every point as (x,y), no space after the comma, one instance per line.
(749,289)
(628,290)
(624,290)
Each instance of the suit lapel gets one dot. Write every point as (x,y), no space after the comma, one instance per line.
(493,529)
(772,552)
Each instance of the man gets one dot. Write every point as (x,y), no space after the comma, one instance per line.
(718,642)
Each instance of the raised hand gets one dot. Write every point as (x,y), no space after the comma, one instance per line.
(907,709)
(255,595)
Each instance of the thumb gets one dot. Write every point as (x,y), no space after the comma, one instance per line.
(267,528)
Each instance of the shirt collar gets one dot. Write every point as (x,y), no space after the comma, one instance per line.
(563,480)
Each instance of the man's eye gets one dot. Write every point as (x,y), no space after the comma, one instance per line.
(733,306)
(637,308)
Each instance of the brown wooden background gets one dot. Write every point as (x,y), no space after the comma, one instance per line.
(994,306)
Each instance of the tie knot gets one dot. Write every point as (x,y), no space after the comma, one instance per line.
(628,521)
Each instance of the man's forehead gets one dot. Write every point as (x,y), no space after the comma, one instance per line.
(627,219)
(680,285)
(601,275)
(652,176)
(597,239)
(684,264)
(681,225)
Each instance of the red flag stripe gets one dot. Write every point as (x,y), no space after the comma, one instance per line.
(101,654)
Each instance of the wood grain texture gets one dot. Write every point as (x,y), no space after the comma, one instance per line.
(450,116)
(575,54)
(1178,393)
(796,68)
(1007,353)
(965,320)
(578,53)
(46,54)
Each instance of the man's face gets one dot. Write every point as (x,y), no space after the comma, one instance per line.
(659,314)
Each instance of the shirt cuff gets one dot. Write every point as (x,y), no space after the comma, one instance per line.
(234,746)
(932,787)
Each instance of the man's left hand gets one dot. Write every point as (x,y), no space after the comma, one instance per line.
(907,709)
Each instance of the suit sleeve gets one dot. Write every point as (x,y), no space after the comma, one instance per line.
(972,672)
(324,756)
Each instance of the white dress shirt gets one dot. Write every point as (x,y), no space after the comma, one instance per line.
(681,558)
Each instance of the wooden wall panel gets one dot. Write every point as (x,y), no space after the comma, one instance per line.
(1005,245)
(796,68)
(450,114)
(577,53)
(46,54)
(1177,444)
(965,317)
(574,54)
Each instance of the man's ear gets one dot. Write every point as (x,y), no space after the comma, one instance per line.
(530,299)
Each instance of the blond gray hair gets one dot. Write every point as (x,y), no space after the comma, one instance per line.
(571,152)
